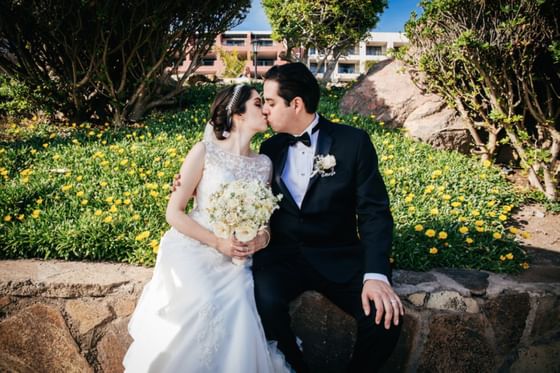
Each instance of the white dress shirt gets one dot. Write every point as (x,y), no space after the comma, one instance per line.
(297,173)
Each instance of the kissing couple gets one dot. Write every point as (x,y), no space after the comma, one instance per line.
(332,233)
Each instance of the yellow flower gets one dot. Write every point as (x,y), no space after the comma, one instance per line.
(418,228)
(479,223)
(509,256)
(155,246)
(142,236)
(160,174)
(126,201)
(502,217)
(524,265)
(479,229)
(79,178)
(525,234)
(491,203)
(436,174)
(461,198)
(45,145)
(430,233)
(388,172)
(497,235)
(80,194)
(455,212)
(66,187)
(35,214)
(469,240)
(8,218)
(411,209)
(502,258)
(135,217)
(486,163)
(113,208)
(464,230)
(446,197)
(462,219)
(20,217)
(442,235)
(433,251)
(507,208)
(109,199)
(429,189)
(434,211)
(118,201)
(123,162)
(108,219)
(475,213)
(84,202)
(103,183)
(153,193)
(513,230)
(97,212)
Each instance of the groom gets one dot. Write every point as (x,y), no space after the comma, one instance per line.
(333,230)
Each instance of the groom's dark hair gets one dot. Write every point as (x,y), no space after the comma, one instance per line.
(295,80)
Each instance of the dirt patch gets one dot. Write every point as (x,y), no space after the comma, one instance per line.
(542,226)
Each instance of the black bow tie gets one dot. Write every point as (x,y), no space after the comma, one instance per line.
(305,139)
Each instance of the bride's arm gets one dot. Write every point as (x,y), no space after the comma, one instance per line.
(191,173)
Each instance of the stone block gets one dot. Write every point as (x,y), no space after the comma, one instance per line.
(113,346)
(413,278)
(87,314)
(542,357)
(452,301)
(547,316)
(507,314)
(417,299)
(475,281)
(124,305)
(455,343)
(5,300)
(37,340)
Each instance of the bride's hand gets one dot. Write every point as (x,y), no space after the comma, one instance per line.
(232,248)
(256,244)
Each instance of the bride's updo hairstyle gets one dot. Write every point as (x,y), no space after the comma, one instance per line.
(228,101)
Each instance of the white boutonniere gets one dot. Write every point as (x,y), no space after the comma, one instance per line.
(324,165)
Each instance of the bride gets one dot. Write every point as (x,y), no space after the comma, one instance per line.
(198,313)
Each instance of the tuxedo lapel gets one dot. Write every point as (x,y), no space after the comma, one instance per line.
(324,143)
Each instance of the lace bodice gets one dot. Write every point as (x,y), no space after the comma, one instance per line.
(221,167)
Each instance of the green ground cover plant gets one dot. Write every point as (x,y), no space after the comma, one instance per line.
(83,192)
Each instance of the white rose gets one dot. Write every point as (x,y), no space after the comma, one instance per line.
(328,162)
(221,230)
(245,232)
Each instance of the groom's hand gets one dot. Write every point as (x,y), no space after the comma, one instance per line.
(176,183)
(385,299)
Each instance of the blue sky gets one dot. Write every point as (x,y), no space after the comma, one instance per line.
(392,19)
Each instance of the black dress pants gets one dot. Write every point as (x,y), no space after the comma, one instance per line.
(276,285)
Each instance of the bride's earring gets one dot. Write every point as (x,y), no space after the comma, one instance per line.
(225,134)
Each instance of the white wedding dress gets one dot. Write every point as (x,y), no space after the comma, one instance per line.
(198,313)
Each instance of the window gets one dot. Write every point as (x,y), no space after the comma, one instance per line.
(313,68)
(264,42)
(208,61)
(374,50)
(312,50)
(234,43)
(265,61)
(344,68)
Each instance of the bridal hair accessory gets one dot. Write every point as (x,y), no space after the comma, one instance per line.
(232,102)
(324,165)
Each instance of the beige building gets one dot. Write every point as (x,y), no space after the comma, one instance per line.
(258,49)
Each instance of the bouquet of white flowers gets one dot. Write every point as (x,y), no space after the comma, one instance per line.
(241,208)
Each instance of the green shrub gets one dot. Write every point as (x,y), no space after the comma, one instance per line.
(92,193)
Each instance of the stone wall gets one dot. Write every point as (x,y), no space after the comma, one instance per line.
(72,317)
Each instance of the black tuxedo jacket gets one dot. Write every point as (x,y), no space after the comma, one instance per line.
(344,226)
